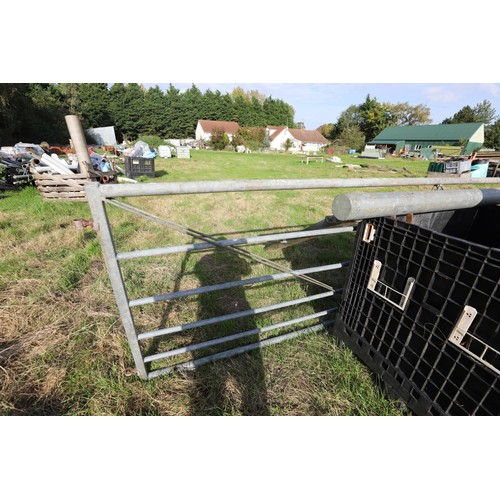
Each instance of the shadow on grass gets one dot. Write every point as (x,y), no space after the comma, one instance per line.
(236,385)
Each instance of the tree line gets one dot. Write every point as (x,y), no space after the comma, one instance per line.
(359,124)
(34,112)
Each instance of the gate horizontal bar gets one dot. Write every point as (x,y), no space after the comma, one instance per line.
(191,365)
(252,240)
(231,284)
(159,188)
(241,314)
(236,336)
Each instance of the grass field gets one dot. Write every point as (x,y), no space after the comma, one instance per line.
(62,347)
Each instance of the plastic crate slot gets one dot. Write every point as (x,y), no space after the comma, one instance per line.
(369,233)
(471,344)
(385,291)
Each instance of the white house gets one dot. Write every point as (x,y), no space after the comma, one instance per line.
(302,140)
(205,128)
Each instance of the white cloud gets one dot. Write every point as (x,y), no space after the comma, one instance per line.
(441,94)
(491,88)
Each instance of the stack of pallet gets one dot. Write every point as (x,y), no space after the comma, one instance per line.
(56,179)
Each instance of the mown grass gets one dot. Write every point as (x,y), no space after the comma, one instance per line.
(62,347)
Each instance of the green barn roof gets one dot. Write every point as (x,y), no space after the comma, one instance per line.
(453,132)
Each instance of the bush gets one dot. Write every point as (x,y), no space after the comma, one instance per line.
(219,139)
(152,140)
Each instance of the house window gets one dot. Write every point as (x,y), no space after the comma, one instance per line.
(417,147)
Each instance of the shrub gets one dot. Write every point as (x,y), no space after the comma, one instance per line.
(219,139)
(152,140)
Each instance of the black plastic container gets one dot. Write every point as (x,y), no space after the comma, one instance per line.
(450,260)
(136,166)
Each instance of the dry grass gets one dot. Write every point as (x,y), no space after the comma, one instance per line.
(62,347)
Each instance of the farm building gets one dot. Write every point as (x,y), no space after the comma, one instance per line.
(205,128)
(413,138)
(302,140)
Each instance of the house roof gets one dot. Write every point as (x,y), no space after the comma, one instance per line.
(276,131)
(211,125)
(299,134)
(452,132)
(308,135)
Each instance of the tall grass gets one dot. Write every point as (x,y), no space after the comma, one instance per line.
(62,347)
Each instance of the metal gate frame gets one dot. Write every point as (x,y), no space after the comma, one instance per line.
(99,194)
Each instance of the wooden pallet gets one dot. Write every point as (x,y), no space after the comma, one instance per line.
(68,187)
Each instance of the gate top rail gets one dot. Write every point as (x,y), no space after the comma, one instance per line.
(194,187)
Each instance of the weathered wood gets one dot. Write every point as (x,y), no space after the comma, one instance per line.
(76,183)
(74,194)
(61,189)
(57,176)
(53,187)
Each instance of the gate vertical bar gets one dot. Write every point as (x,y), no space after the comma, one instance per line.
(96,204)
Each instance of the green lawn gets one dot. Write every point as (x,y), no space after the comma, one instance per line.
(62,347)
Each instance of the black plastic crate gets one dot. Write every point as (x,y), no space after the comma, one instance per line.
(454,261)
(136,166)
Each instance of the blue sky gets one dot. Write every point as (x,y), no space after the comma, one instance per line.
(318,103)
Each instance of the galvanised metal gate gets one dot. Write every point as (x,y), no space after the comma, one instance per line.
(101,195)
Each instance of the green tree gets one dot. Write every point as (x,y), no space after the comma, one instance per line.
(374,117)
(153,121)
(347,119)
(492,136)
(464,115)
(126,106)
(190,112)
(44,120)
(351,138)
(484,112)
(173,113)
(15,104)
(327,130)
(403,113)
(93,107)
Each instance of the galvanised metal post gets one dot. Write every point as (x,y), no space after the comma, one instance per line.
(160,188)
(358,206)
(101,222)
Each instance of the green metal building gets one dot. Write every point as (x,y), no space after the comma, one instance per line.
(413,138)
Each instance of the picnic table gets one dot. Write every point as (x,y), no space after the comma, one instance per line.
(306,159)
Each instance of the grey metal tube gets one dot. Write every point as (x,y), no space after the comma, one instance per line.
(78,137)
(191,365)
(252,240)
(101,222)
(232,284)
(242,314)
(236,336)
(358,206)
(159,188)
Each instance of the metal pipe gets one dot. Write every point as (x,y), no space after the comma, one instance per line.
(241,314)
(252,240)
(359,206)
(191,365)
(101,223)
(231,284)
(55,165)
(236,336)
(161,188)
(78,137)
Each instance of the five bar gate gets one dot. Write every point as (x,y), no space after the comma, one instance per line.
(100,195)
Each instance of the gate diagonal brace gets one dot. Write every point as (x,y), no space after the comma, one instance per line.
(209,239)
